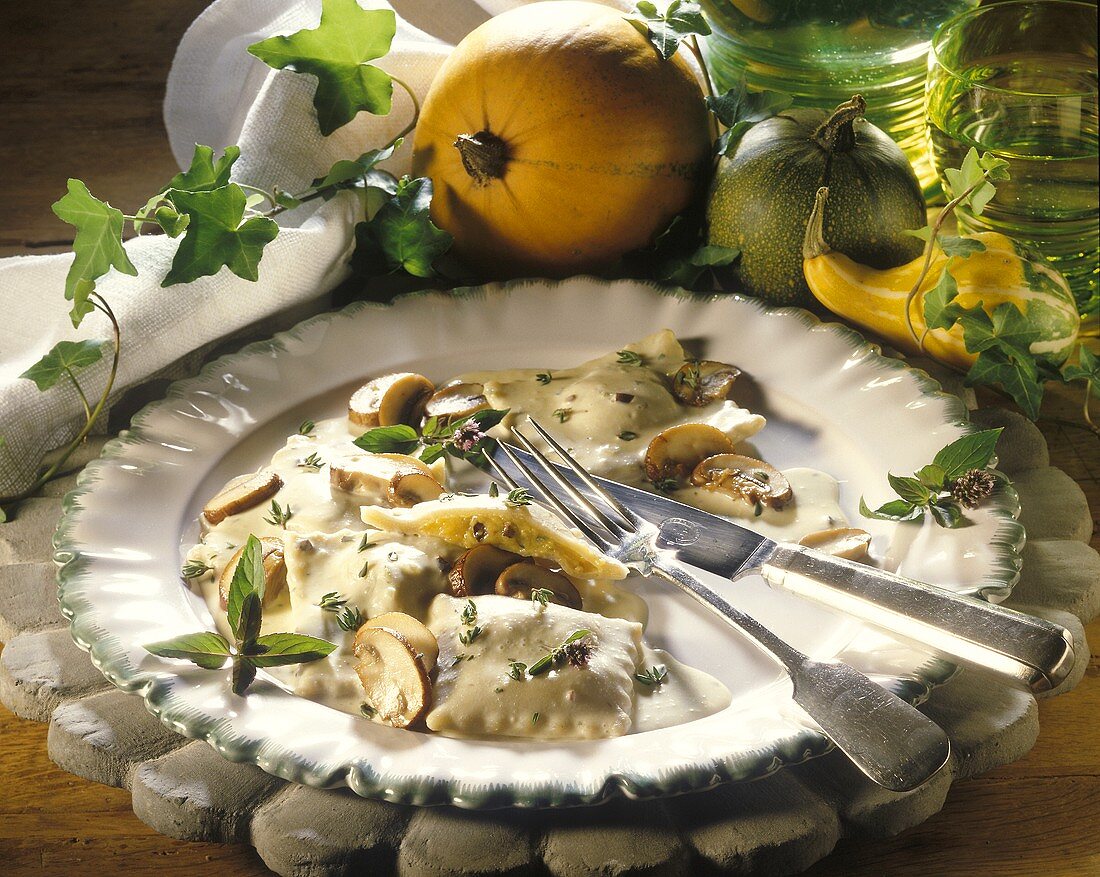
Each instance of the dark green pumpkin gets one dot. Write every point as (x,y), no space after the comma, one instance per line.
(763,194)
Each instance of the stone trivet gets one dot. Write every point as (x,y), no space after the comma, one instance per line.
(778,825)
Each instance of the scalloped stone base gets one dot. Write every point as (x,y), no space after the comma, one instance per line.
(778,825)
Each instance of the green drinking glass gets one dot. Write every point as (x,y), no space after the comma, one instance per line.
(1019,79)
(824,51)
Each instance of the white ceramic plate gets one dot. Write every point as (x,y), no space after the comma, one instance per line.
(831,401)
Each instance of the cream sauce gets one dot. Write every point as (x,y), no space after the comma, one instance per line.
(611,412)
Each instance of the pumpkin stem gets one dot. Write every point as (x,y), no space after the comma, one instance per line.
(484,156)
(814,244)
(835,134)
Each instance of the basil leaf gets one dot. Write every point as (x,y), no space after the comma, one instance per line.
(895,510)
(487,418)
(337,52)
(909,489)
(947,514)
(972,451)
(251,619)
(431,453)
(244,672)
(97,247)
(932,476)
(397,439)
(216,236)
(248,578)
(66,357)
(280,649)
(207,649)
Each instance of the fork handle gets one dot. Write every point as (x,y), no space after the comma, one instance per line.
(889,740)
(966,629)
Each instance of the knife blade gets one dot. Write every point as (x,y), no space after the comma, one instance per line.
(963,628)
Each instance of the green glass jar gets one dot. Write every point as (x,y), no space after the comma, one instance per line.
(824,51)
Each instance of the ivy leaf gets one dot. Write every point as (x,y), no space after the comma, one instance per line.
(973,451)
(248,578)
(1018,375)
(739,109)
(398,439)
(996,168)
(971,173)
(205,174)
(401,235)
(97,247)
(667,30)
(337,52)
(1087,369)
(207,649)
(895,510)
(923,233)
(939,313)
(216,236)
(687,271)
(953,245)
(910,489)
(171,220)
(66,357)
(1007,327)
(280,649)
(346,171)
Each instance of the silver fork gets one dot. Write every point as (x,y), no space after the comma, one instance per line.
(889,740)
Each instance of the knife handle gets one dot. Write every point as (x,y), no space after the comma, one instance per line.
(966,629)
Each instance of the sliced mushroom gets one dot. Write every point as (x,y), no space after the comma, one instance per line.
(241,494)
(389,400)
(847,542)
(675,452)
(397,480)
(274,571)
(456,400)
(520,579)
(476,571)
(744,477)
(699,382)
(393,676)
(418,635)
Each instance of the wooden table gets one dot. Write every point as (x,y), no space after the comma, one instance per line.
(84,83)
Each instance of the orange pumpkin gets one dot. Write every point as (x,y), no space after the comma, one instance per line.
(557,140)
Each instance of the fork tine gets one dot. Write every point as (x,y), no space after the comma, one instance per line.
(563,510)
(583,501)
(508,480)
(582,473)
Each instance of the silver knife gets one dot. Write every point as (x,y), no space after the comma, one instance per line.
(962,628)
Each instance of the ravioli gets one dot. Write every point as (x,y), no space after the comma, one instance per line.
(529,530)
(477,695)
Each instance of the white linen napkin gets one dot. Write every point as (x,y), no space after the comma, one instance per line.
(217,95)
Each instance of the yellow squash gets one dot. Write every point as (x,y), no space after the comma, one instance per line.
(1003,272)
(558,139)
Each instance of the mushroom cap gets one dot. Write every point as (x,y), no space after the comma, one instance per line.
(394,678)
(476,570)
(674,452)
(396,479)
(456,400)
(390,400)
(744,477)
(274,571)
(417,634)
(850,543)
(240,494)
(699,382)
(520,579)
